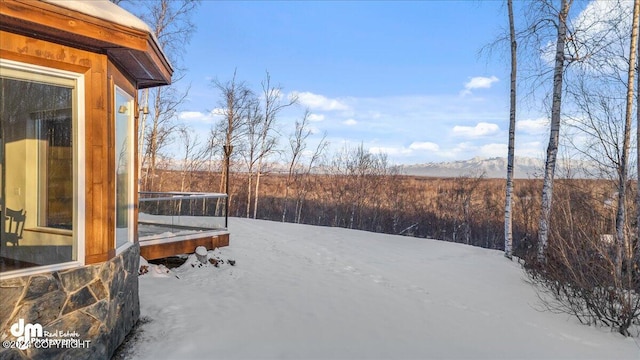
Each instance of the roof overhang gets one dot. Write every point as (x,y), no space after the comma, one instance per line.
(134,49)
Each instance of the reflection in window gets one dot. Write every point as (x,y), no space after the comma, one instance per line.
(53,130)
(37,162)
(124,167)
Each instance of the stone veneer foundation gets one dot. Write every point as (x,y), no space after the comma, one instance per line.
(98,302)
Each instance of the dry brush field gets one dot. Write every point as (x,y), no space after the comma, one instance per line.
(462,209)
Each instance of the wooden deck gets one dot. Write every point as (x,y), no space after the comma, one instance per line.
(158,242)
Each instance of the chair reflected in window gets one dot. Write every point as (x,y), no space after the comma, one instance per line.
(14,226)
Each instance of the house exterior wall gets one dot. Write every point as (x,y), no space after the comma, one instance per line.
(94,297)
(96,306)
(98,301)
(98,183)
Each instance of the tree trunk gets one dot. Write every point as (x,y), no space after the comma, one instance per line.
(636,25)
(298,213)
(250,181)
(508,221)
(255,196)
(622,238)
(221,189)
(263,153)
(286,200)
(552,149)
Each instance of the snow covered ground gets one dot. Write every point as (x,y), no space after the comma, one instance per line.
(302,292)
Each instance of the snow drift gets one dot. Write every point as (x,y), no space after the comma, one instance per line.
(302,292)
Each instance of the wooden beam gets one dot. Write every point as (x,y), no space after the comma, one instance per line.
(158,251)
(135,50)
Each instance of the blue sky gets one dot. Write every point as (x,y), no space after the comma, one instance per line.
(404,78)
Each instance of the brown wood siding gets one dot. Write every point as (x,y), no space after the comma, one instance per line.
(106,53)
(46,16)
(158,251)
(135,50)
(99,244)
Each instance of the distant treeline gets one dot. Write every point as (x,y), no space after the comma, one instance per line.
(466,210)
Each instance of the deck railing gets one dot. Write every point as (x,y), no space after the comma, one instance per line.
(167,214)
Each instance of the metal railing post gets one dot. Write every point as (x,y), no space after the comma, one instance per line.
(227,154)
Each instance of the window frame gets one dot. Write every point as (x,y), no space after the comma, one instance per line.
(79,160)
(131,164)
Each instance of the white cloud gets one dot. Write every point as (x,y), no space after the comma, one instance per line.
(428,146)
(389,150)
(532,126)
(199,117)
(319,102)
(478,82)
(396,125)
(481,129)
(189,115)
(600,23)
(316,117)
(494,150)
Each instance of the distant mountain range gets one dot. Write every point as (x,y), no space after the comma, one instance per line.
(525,168)
(492,168)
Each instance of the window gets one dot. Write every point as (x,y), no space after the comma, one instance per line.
(41,179)
(124,168)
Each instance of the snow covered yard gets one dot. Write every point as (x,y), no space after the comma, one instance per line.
(300,292)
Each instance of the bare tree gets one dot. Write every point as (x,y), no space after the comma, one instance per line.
(142,130)
(172,26)
(297,145)
(636,15)
(166,103)
(304,187)
(460,203)
(251,146)
(587,272)
(552,149)
(621,234)
(298,172)
(273,103)
(193,160)
(604,116)
(235,104)
(508,221)
(578,276)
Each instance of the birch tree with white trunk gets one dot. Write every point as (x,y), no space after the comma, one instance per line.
(621,234)
(508,220)
(636,26)
(554,135)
